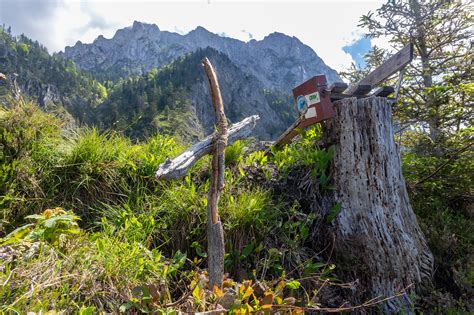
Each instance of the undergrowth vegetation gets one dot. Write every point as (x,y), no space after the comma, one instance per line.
(441,194)
(86,227)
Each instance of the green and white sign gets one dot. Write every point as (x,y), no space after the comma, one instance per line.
(313,98)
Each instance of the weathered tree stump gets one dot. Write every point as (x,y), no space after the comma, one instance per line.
(376,232)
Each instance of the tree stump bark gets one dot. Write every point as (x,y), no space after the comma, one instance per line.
(376,232)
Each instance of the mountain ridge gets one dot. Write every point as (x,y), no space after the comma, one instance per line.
(167,96)
(279,61)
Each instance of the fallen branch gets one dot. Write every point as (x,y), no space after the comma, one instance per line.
(183,298)
(180,165)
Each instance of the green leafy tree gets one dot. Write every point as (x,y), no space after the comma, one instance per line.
(23,48)
(435,113)
(101,91)
(437,94)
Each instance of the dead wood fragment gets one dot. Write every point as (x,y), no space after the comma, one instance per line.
(215,232)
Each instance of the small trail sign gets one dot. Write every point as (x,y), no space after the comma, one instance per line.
(313,101)
(314,98)
(317,102)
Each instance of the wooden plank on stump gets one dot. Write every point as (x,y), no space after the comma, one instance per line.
(338,87)
(339,96)
(362,89)
(389,67)
(384,91)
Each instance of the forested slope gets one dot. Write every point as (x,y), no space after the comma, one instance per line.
(51,81)
(171,100)
(175,100)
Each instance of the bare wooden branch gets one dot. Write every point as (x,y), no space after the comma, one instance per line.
(180,165)
(215,231)
(289,133)
(454,156)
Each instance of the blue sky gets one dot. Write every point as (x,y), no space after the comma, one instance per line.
(358,49)
(329,26)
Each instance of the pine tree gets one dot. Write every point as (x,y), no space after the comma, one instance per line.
(437,92)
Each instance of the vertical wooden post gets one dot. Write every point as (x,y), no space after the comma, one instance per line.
(215,232)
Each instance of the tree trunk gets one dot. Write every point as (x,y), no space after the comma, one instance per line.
(215,231)
(427,75)
(376,232)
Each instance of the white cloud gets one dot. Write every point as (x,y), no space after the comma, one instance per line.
(326,26)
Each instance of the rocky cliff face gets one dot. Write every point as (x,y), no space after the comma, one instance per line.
(243,95)
(278,61)
(185,94)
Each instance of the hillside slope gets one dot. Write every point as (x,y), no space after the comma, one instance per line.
(175,99)
(52,81)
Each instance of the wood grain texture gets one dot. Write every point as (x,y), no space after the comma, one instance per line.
(289,133)
(384,91)
(180,165)
(389,67)
(215,232)
(362,89)
(338,87)
(376,229)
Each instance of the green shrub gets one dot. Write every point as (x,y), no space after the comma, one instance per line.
(257,157)
(51,226)
(24,131)
(304,153)
(103,270)
(234,153)
(23,48)
(42,165)
(133,219)
(440,189)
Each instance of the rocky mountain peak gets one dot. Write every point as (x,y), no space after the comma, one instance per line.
(279,61)
(141,26)
(100,39)
(277,36)
(200,30)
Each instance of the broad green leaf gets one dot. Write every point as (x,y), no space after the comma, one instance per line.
(17,235)
(247,250)
(179,258)
(293,285)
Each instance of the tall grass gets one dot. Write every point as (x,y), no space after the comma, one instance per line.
(42,167)
(130,221)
